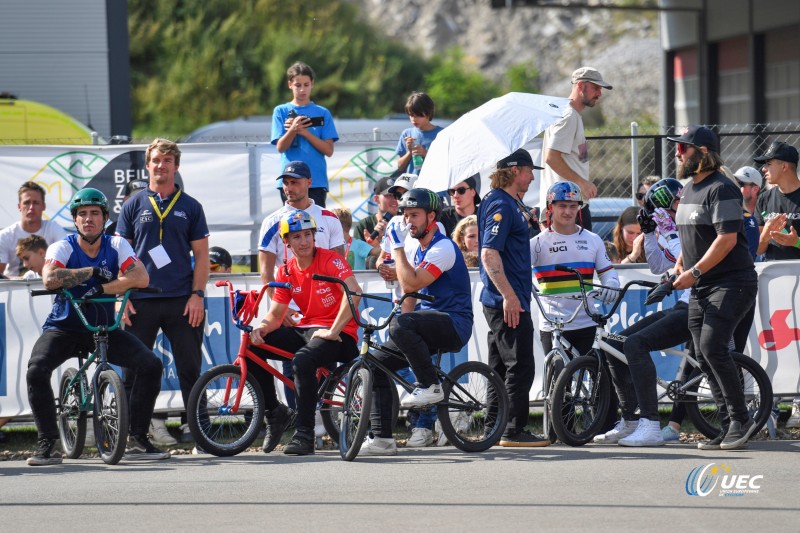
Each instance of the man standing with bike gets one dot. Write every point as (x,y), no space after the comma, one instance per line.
(716,264)
(326,334)
(91,264)
(505,269)
(443,325)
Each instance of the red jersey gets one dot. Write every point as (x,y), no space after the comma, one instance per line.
(319,301)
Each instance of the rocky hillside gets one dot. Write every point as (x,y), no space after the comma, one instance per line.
(624,46)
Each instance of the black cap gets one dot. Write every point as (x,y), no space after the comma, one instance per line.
(219,256)
(779,150)
(382,185)
(296,169)
(698,136)
(520,158)
(135,186)
(474,181)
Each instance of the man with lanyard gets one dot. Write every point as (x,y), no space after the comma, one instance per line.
(91,264)
(326,334)
(444,324)
(272,254)
(167,228)
(505,269)
(716,264)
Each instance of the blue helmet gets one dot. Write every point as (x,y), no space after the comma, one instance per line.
(564,191)
(296,220)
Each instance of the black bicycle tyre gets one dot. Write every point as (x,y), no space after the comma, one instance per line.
(704,414)
(355,414)
(551,375)
(111,417)
(333,400)
(477,427)
(581,401)
(71,419)
(222,433)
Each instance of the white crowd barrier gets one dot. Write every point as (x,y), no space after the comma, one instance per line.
(773,341)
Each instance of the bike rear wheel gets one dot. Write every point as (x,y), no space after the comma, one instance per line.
(71,419)
(215,426)
(580,401)
(474,411)
(111,417)
(703,411)
(355,413)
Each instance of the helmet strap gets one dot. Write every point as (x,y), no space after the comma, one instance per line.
(427,229)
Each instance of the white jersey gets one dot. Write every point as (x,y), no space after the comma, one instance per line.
(329,231)
(585,252)
(50,232)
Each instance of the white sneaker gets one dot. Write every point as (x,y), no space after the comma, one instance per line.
(378,446)
(622,429)
(420,438)
(648,433)
(158,429)
(422,397)
(794,420)
(319,427)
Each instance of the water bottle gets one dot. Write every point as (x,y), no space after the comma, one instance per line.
(416,159)
(389,262)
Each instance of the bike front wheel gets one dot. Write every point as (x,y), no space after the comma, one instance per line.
(216,427)
(580,401)
(355,412)
(703,411)
(71,419)
(474,411)
(111,417)
(551,375)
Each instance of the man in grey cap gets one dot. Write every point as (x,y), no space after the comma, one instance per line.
(371,228)
(750,182)
(564,150)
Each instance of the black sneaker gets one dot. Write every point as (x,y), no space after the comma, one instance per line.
(140,448)
(737,434)
(524,439)
(300,445)
(712,444)
(45,453)
(278,420)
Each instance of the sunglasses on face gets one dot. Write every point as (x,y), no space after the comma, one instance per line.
(683,148)
(740,184)
(639,195)
(460,190)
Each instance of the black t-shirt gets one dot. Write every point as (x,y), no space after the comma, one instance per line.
(709,208)
(773,202)
(449,219)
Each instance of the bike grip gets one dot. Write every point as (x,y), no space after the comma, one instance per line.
(43,292)
(423,297)
(279,285)
(320,277)
(651,284)
(221,283)
(562,268)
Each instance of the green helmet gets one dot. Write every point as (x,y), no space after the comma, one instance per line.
(87,197)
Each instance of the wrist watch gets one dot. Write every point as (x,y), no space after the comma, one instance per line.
(695,272)
(200,293)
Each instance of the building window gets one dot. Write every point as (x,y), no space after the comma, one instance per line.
(782,77)
(687,87)
(733,94)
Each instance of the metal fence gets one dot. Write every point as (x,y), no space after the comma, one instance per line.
(617,163)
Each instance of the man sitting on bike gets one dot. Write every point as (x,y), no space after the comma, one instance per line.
(326,334)
(444,324)
(91,264)
(635,383)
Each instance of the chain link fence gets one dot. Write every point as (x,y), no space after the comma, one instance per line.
(618,163)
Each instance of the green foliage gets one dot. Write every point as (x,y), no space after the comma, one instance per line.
(455,87)
(523,78)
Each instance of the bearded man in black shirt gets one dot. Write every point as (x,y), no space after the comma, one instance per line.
(716,264)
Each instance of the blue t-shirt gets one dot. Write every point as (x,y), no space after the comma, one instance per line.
(424,138)
(502,227)
(358,253)
(115,255)
(751,232)
(301,149)
(184,223)
(443,259)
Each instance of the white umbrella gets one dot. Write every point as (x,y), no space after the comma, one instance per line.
(476,141)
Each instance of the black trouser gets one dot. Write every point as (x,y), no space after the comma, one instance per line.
(635,382)
(309,354)
(417,335)
(318,194)
(714,313)
(511,356)
(582,339)
(56,346)
(186,341)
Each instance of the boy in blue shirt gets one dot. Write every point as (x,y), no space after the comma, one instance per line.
(415,141)
(304,131)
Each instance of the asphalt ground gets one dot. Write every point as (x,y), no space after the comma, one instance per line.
(557,488)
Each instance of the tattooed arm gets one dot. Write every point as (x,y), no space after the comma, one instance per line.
(56,277)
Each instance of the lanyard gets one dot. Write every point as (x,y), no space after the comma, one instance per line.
(161,216)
